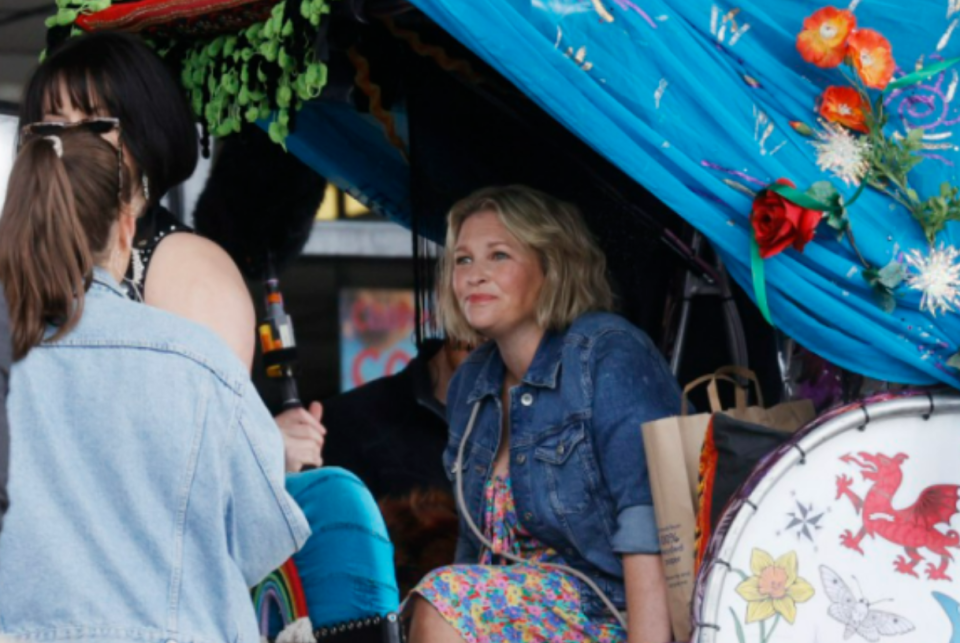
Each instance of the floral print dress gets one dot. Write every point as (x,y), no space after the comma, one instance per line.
(499,601)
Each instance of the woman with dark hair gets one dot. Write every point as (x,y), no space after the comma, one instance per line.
(147,477)
(115,75)
(557,534)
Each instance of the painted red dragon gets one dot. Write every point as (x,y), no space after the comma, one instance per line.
(914,527)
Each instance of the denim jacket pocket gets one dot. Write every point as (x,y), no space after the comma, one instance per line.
(565,461)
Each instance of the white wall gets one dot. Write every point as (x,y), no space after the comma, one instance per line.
(8,142)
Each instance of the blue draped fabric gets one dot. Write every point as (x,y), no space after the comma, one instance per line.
(687,96)
(349,149)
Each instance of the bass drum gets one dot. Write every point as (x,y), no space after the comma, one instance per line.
(847,532)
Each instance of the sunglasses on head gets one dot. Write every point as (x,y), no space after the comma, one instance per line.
(100,125)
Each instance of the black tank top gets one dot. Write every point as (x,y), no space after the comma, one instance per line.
(156,224)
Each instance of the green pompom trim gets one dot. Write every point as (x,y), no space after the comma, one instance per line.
(243,77)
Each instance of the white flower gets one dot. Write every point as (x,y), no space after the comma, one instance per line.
(842,153)
(937,277)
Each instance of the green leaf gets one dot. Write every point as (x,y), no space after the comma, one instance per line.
(886,300)
(284,96)
(739,628)
(269,50)
(954,361)
(275,132)
(65,18)
(229,45)
(213,49)
(883,293)
(892,275)
(286,62)
(836,214)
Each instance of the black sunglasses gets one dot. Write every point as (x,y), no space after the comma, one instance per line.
(101,126)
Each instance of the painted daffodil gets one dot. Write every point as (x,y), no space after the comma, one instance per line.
(774,587)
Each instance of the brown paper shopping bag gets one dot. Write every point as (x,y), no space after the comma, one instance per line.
(673,447)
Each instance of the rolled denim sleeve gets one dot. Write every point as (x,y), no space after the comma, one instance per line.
(264,524)
(632,384)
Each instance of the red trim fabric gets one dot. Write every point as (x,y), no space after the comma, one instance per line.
(178,17)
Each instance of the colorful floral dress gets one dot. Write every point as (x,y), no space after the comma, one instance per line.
(498,601)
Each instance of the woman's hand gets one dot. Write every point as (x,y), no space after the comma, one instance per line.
(648,619)
(303,437)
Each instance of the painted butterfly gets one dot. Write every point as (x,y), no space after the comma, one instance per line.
(856,613)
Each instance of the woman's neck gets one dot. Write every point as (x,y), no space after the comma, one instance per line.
(517,351)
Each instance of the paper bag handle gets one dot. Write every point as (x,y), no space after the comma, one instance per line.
(712,394)
(746,374)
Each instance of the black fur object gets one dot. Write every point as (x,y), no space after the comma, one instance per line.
(260,201)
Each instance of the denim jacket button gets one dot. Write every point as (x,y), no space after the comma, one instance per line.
(521,458)
(528,516)
(561,449)
(526,399)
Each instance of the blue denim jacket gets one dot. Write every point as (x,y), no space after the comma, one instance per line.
(577,462)
(146,484)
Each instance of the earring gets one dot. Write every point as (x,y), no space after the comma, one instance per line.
(146,186)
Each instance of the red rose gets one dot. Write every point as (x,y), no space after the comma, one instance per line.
(778,223)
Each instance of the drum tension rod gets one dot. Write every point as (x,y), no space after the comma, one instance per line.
(866,421)
(803,454)
(750,503)
(932,408)
(709,625)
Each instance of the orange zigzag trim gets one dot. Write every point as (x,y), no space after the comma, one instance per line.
(438,54)
(372,91)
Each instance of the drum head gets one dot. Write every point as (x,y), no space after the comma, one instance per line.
(848,532)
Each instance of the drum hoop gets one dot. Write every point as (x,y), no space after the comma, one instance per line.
(773,467)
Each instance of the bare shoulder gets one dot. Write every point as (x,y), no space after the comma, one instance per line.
(195,278)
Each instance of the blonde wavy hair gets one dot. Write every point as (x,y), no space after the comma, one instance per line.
(574,267)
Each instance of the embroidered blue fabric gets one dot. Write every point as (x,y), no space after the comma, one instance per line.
(694,98)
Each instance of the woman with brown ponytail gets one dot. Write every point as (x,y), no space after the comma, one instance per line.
(146,475)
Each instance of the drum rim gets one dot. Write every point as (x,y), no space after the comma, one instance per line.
(771,468)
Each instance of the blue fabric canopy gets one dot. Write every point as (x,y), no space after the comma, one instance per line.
(689,96)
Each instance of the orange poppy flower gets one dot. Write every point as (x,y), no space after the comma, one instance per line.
(872,56)
(823,40)
(844,105)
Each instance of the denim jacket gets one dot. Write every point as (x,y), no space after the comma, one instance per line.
(146,484)
(577,463)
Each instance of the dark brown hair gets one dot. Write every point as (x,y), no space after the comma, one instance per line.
(56,225)
(116,74)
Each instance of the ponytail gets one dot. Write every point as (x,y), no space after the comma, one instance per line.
(56,218)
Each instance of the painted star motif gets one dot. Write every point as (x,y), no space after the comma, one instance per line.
(804,521)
